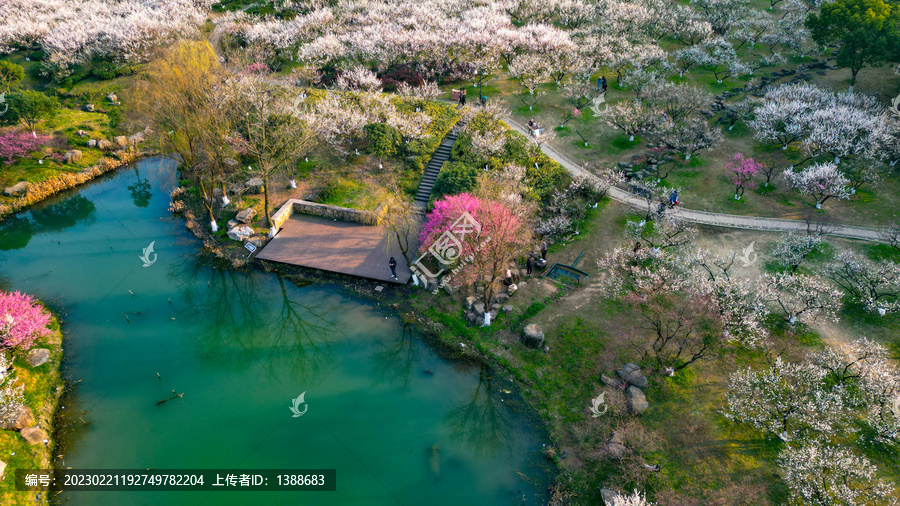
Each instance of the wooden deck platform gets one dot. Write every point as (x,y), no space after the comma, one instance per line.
(336,246)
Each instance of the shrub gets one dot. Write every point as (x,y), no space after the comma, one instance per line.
(21,320)
(454,178)
(391,79)
(11,74)
(383,139)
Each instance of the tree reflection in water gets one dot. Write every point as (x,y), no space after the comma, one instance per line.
(247,318)
(17,230)
(394,361)
(140,190)
(483,423)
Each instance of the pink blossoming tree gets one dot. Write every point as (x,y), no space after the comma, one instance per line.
(22,320)
(742,171)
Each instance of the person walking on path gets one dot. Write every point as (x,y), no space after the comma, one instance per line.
(602,84)
(529,265)
(543,250)
(462,98)
(393,264)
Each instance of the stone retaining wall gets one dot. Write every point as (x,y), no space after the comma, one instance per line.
(327,211)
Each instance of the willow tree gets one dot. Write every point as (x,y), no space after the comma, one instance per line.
(182,95)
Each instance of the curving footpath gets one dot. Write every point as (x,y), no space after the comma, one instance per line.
(712,219)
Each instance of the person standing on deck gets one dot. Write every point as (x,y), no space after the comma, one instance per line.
(393,264)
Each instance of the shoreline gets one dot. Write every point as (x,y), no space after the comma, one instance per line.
(43,190)
(44,387)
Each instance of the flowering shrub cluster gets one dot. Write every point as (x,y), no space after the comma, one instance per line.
(22,320)
(18,144)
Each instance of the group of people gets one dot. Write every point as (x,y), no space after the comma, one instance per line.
(534,128)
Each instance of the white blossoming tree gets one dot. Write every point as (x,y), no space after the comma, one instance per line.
(800,298)
(874,285)
(824,475)
(822,181)
(792,249)
(788,400)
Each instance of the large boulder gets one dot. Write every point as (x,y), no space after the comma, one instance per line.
(637,401)
(245,216)
(612,382)
(89,107)
(17,190)
(240,233)
(608,496)
(136,139)
(258,240)
(501,298)
(104,144)
(2,469)
(533,335)
(254,186)
(73,156)
(631,374)
(478,308)
(470,301)
(616,445)
(19,419)
(33,435)
(231,163)
(121,141)
(37,357)
(112,97)
(92,143)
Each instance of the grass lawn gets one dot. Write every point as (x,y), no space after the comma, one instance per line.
(64,125)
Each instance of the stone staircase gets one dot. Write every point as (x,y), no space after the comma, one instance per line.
(434,167)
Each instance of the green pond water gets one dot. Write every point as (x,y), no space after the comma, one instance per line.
(399,423)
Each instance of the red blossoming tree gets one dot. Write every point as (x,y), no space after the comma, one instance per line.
(475,239)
